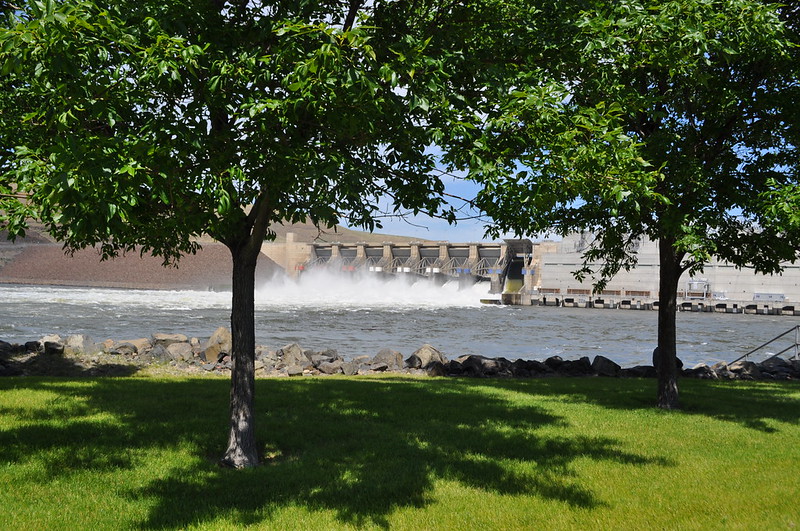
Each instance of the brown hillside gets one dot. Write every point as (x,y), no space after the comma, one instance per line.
(37,259)
(47,264)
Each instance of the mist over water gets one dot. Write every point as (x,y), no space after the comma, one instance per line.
(361,314)
(320,288)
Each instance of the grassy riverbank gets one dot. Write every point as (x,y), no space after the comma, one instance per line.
(400,453)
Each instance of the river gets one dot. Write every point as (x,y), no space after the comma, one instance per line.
(360,316)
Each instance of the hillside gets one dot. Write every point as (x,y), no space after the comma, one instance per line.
(38,259)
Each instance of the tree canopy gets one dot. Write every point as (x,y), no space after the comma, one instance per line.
(139,126)
(675,121)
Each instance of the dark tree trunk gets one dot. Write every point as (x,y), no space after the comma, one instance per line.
(242,451)
(665,358)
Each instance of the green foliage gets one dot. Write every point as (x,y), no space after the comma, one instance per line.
(671,120)
(143,125)
(135,124)
(346,453)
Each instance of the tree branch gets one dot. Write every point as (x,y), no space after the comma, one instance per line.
(259,220)
(350,19)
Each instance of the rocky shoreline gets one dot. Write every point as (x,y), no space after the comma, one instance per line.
(79,355)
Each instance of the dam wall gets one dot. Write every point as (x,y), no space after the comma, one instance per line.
(442,261)
(524,272)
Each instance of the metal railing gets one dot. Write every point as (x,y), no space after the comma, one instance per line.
(795,345)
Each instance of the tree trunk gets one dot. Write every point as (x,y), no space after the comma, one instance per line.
(242,451)
(665,357)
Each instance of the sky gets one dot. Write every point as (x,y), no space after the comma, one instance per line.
(425,227)
(471,227)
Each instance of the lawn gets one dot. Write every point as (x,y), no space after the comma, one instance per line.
(400,453)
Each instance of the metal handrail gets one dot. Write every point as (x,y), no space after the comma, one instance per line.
(795,329)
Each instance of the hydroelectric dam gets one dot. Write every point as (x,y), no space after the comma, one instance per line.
(524,272)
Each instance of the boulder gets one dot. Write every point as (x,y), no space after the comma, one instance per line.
(423,356)
(387,359)
(166,340)
(473,365)
(11,348)
(81,344)
(605,367)
(580,367)
(269,357)
(350,368)
(490,366)
(436,368)
(504,367)
(292,355)
(701,371)
(159,352)
(211,356)
(775,365)
(538,368)
(8,370)
(53,338)
(331,367)
(639,371)
(454,368)
(33,346)
(53,347)
(325,356)
(746,370)
(295,370)
(723,372)
(142,344)
(124,349)
(554,362)
(180,351)
(519,369)
(219,344)
(413,362)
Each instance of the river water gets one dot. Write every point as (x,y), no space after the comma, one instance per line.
(360,316)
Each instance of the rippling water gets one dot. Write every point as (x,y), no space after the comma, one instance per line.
(364,315)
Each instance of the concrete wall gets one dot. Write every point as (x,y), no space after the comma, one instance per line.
(550,270)
(724,281)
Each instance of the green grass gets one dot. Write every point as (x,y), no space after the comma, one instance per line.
(400,453)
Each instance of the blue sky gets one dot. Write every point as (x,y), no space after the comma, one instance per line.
(425,227)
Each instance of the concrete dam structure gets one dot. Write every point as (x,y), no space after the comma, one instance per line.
(523,272)
(504,264)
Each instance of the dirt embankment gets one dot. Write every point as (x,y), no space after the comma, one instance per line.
(45,263)
(37,259)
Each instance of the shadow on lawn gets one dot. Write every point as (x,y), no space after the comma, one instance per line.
(751,404)
(360,448)
(46,364)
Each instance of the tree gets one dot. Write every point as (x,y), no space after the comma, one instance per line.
(677,121)
(139,126)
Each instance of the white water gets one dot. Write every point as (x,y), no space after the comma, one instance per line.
(361,315)
(322,289)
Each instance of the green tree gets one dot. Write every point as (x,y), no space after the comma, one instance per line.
(139,126)
(677,121)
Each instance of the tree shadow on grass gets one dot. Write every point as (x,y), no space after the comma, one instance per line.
(752,404)
(359,448)
(47,364)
